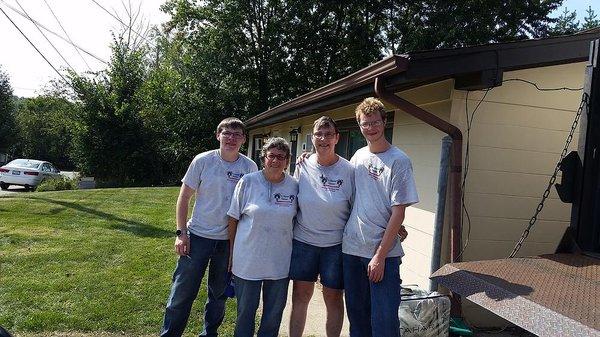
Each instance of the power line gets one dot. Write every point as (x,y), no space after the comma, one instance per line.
(68,37)
(121,21)
(45,37)
(33,45)
(466,166)
(52,32)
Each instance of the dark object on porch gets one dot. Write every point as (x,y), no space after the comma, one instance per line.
(570,166)
(4,333)
(549,295)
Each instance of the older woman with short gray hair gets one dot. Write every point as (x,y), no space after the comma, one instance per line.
(260,234)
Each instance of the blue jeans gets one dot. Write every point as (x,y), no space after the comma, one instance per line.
(372,307)
(186,283)
(274,298)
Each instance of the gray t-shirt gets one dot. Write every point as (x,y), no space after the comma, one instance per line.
(214,180)
(382,180)
(324,201)
(263,241)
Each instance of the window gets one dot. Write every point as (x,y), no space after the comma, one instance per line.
(293,149)
(257,143)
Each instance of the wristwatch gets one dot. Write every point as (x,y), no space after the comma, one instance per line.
(178,232)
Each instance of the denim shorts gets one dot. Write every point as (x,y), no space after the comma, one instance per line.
(309,262)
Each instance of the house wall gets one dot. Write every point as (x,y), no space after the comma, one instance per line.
(422,144)
(516,139)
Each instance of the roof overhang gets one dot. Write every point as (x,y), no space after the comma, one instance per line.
(402,72)
(549,295)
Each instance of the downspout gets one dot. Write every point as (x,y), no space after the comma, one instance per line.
(455,158)
(438,227)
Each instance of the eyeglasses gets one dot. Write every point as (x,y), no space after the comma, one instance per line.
(229,134)
(280,157)
(321,135)
(366,125)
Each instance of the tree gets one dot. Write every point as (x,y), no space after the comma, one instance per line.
(8,131)
(591,19)
(45,125)
(566,24)
(433,24)
(110,140)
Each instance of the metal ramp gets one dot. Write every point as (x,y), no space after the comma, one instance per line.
(549,295)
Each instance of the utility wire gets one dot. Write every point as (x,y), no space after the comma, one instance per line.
(469,125)
(68,37)
(121,21)
(52,32)
(45,37)
(33,45)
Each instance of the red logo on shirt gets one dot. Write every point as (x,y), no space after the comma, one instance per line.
(374,171)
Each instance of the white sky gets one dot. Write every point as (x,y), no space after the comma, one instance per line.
(89,26)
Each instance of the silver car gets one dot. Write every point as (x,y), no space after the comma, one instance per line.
(26,172)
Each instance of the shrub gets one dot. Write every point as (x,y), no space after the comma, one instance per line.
(57,184)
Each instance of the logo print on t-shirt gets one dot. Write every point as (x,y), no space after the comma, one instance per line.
(234,177)
(374,171)
(331,184)
(284,200)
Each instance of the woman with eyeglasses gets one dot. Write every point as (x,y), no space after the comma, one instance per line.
(326,187)
(261,216)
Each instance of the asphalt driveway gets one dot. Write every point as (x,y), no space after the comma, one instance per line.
(13,190)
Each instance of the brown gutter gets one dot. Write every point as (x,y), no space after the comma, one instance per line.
(455,158)
(388,66)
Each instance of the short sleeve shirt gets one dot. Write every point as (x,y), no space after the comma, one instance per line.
(263,242)
(382,180)
(324,201)
(214,180)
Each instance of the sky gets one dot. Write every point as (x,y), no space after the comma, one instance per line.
(89,26)
(86,23)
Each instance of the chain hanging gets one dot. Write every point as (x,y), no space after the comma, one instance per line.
(540,206)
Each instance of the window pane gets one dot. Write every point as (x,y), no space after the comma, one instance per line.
(355,142)
(341,148)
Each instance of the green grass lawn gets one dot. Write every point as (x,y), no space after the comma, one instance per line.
(90,261)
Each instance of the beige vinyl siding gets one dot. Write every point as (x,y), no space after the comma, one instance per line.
(422,143)
(517,135)
(516,139)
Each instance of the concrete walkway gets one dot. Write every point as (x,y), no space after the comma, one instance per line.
(316,316)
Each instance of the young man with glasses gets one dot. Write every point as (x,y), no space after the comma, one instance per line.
(203,239)
(384,187)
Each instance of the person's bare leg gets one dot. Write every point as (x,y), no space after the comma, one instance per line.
(301,295)
(334,302)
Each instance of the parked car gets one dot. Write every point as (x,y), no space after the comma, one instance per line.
(26,172)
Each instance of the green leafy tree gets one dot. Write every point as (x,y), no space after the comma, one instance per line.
(45,126)
(110,140)
(8,130)
(433,24)
(591,19)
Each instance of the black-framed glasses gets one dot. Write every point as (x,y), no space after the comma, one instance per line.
(236,135)
(280,157)
(366,125)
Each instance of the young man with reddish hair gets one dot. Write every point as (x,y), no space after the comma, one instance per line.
(384,187)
